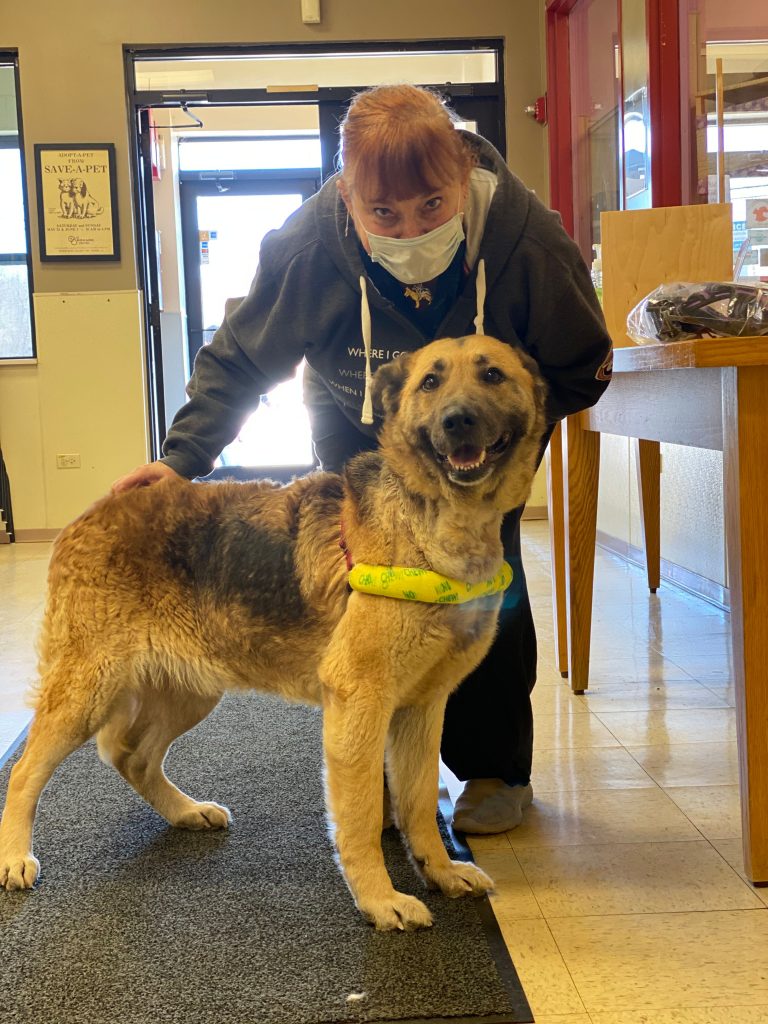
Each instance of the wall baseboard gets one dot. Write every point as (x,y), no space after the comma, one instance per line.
(35,536)
(688,580)
(535,512)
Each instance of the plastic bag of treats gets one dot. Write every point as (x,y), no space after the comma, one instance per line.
(678,311)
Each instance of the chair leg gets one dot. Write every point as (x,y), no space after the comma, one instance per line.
(556,510)
(648,464)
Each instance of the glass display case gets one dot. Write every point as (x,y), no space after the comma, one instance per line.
(635,120)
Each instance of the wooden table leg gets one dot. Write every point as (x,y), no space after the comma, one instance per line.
(648,464)
(745,442)
(581,459)
(556,511)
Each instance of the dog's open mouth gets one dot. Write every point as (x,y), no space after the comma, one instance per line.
(469,464)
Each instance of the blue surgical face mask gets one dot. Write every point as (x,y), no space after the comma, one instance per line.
(419,259)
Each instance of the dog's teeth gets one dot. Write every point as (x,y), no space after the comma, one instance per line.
(455,464)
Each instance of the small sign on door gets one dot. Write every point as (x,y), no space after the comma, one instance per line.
(757,213)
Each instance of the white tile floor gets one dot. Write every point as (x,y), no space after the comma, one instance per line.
(621,896)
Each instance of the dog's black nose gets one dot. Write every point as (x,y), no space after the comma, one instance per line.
(457,420)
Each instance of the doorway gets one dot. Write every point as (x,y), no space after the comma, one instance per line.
(215,201)
(224,217)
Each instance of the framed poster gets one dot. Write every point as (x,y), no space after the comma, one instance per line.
(77,201)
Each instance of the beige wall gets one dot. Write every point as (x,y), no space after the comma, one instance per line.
(73,90)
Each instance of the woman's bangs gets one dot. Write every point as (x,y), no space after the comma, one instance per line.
(404,167)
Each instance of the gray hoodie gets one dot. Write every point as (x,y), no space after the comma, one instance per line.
(305,301)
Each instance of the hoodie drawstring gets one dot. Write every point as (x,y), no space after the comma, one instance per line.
(365,318)
(480,290)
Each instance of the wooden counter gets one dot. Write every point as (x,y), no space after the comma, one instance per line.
(709,393)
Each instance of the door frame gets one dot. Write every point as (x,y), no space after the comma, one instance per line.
(664,98)
(483,102)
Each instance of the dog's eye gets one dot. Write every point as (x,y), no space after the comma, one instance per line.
(430,382)
(493,375)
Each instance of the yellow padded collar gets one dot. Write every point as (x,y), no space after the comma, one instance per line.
(423,584)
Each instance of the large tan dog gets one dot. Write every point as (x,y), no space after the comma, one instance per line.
(162,598)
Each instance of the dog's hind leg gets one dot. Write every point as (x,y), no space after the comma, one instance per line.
(73,700)
(136,739)
(412,769)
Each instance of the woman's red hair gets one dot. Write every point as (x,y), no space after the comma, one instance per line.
(399,141)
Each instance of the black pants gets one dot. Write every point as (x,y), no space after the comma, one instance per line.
(488,730)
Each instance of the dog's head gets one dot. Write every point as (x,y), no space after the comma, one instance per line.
(463,415)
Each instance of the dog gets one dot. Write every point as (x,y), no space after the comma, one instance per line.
(161,598)
(85,204)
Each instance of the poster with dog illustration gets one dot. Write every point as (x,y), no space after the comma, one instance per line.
(77,201)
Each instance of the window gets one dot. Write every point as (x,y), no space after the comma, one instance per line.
(16,335)
(269,153)
(329,69)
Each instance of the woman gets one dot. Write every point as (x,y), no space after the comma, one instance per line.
(425,233)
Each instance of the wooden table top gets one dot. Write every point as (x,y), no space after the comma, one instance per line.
(700,352)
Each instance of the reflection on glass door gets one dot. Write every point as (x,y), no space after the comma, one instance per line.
(745,137)
(595,113)
(636,122)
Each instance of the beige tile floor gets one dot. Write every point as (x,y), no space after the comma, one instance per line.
(621,896)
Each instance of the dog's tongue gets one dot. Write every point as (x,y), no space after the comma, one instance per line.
(467,457)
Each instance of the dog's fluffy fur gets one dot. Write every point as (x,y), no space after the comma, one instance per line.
(161,598)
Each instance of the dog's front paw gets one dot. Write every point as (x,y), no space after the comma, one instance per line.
(461,878)
(396,912)
(19,871)
(200,816)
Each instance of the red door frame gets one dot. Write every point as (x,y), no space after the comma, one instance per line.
(663,28)
(664,100)
(559,110)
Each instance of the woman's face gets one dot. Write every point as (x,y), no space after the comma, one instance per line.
(403,218)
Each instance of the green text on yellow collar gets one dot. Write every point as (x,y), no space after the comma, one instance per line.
(423,584)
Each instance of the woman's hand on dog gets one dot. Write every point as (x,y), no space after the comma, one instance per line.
(143,476)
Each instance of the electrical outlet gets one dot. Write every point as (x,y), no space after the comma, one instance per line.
(71,461)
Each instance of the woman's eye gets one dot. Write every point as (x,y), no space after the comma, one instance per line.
(493,375)
(434,204)
(382,212)
(430,382)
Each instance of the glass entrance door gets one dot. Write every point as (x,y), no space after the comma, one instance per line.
(223,224)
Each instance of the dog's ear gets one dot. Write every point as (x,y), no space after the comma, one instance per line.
(387,386)
(540,389)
